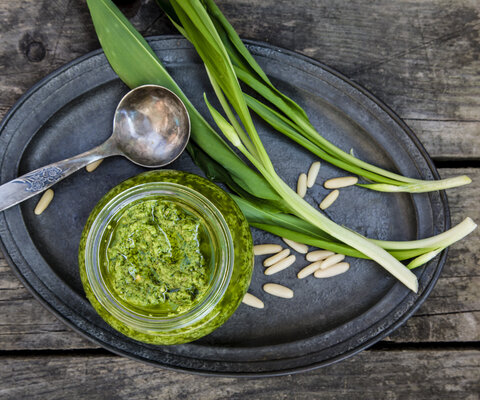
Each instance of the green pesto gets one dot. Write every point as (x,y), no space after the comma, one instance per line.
(243,258)
(153,257)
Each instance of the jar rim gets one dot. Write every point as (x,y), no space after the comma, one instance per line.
(224,260)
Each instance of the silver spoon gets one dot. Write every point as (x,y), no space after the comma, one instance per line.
(151,128)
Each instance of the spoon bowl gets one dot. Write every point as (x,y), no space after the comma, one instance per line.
(151,126)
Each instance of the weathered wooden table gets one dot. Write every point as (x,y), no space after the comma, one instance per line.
(421,57)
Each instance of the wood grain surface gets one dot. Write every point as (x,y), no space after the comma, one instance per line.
(421,57)
(423,375)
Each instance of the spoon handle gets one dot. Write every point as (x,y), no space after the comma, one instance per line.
(39,180)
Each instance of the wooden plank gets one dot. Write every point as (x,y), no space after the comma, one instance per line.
(450,327)
(26,324)
(59,32)
(448,140)
(451,313)
(29,37)
(463,202)
(420,57)
(433,374)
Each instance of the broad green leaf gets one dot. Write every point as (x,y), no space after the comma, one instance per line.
(287,225)
(197,24)
(256,213)
(235,40)
(136,64)
(215,172)
(166,6)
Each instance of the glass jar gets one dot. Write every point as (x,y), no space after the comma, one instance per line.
(231,258)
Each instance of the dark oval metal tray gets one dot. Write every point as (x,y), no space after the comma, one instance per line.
(71,111)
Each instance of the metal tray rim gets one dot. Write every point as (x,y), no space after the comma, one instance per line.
(288,371)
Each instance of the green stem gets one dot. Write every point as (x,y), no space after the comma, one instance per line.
(443,239)
(424,258)
(420,186)
(358,242)
(301,124)
(340,248)
(223,102)
(281,124)
(257,215)
(305,211)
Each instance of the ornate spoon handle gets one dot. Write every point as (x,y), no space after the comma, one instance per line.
(29,185)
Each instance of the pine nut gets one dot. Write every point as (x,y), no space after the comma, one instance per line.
(278,290)
(276,258)
(93,166)
(332,260)
(337,183)
(312,174)
(318,255)
(298,247)
(263,249)
(281,265)
(309,269)
(252,301)
(336,269)
(329,199)
(302,185)
(44,201)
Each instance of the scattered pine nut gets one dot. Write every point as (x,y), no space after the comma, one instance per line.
(302,185)
(252,301)
(281,265)
(336,269)
(309,269)
(298,247)
(318,255)
(329,199)
(337,183)
(312,174)
(332,260)
(44,201)
(276,258)
(263,249)
(93,166)
(278,290)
